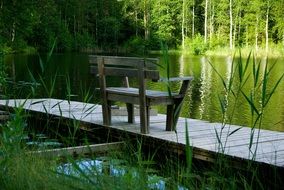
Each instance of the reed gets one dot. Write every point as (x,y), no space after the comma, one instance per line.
(257,99)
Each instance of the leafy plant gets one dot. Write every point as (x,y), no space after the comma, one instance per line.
(196,46)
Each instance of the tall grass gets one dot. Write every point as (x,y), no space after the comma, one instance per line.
(245,72)
(22,170)
(3,76)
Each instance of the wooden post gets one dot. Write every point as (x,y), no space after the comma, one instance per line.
(170,117)
(130,111)
(142,97)
(177,107)
(105,103)
(129,107)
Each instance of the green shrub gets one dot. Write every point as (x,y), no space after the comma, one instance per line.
(135,44)
(196,46)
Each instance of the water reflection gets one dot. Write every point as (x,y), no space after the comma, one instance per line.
(91,169)
(181,63)
(206,80)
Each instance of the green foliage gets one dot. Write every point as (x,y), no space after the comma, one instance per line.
(108,25)
(84,41)
(12,134)
(3,76)
(136,44)
(164,15)
(196,46)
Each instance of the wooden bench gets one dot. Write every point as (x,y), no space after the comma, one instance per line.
(141,69)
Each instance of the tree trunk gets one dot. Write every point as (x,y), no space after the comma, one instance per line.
(136,23)
(239,27)
(231,25)
(13,34)
(183,23)
(205,20)
(266,27)
(193,20)
(235,32)
(146,20)
(211,23)
(256,34)
(247,36)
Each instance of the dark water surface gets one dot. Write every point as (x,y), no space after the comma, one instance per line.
(201,102)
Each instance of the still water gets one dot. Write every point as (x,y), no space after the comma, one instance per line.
(71,76)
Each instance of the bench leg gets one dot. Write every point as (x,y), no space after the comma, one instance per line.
(177,110)
(170,118)
(143,119)
(148,115)
(106,108)
(130,111)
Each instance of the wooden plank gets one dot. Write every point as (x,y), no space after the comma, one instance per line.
(174,79)
(135,92)
(132,95)
(80,150)
(150,63)
(142,100)
(130,72)
(105,101)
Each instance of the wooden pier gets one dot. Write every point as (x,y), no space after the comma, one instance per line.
(202,134)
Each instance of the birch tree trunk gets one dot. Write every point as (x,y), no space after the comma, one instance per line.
(266,27)
(193,20)
(205,20)
(183,24)
(256,34)
(212,15)
(13,34)
(146,20)
(136,23)
(231,25)
(239,26)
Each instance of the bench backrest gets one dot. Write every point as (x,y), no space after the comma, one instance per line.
(125,67)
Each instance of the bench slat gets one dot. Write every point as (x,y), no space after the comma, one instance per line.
(126,72)
(135,92)
(131,95)
(173,79)
(150,63)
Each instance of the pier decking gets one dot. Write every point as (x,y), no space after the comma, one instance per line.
(202,134)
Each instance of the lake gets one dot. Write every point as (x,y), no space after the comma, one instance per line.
(70,71)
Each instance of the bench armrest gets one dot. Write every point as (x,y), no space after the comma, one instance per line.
(185,82)
(173,79)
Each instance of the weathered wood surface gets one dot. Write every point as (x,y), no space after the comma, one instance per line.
(80,150)
(202,134)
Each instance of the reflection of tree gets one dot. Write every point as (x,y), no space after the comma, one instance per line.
(205,92)
(190,66)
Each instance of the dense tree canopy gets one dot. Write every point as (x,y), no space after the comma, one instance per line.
(132,24)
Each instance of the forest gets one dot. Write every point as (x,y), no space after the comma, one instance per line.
(139,25)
